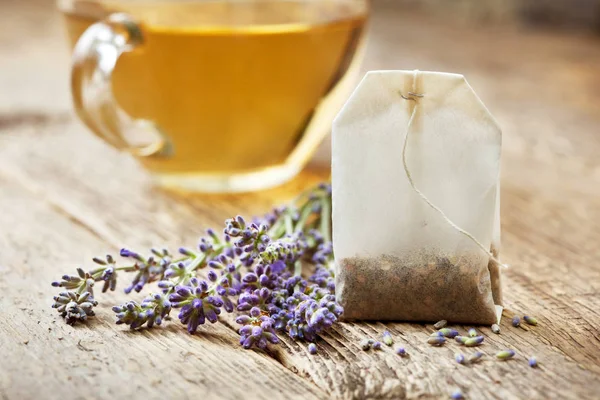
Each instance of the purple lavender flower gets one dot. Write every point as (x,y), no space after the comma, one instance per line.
(288,249)
(312,348)
(74,307)
(312,317)
(257,330)
(197,304)
(84,281)
(109,276)
(401,351)
(153,310)
(148,270)
(156,307)
(457,395)
(252,238)
(533,362)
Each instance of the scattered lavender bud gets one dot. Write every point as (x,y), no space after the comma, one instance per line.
(401,351)
(436,340)
(387,338)
(376,346)
(475,357)
(457,395)
(472,332)
(436,333)
(460,358)
(312,348)
(530,320)
(448,332)
(461,339)
(440,324)
(496,329)
(533,362)
(516,321)
(505,355)
(474,341)
(365,345)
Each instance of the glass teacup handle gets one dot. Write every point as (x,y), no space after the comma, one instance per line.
(94,59)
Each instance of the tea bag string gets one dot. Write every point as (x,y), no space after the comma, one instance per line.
(414,96)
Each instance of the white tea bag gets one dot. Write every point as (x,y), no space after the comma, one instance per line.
(416,222)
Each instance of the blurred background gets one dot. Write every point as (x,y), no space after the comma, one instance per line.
(535,63)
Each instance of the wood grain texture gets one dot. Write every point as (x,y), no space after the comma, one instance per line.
(65,197)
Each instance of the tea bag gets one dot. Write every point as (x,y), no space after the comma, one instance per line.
(416,221)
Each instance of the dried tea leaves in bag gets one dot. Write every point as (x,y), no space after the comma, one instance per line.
(415,176)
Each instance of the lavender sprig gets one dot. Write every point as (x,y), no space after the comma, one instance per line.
(254,268)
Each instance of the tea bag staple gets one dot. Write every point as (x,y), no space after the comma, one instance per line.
(416,222)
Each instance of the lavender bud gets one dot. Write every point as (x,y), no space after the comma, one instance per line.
(387,338)
(533,362)
(474,341)
(457,395)
(448,332)
(401,351)
(215,264)
(210,232)
(496,329)
(312,348)
(436,340)
(461,339)
(212,276)
(376,346)
(255,311)
(505,355)
(530,320)
(472,332)
(365,345)
(460,358)
(440,324)
(186,252)
(246,330)
(516,321)
(475,357)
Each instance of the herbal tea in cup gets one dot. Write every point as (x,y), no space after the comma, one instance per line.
(214,95)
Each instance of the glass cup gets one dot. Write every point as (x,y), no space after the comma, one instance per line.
(214,96)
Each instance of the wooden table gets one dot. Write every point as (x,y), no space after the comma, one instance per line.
(65,197)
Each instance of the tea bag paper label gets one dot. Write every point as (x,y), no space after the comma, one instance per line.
(384,231)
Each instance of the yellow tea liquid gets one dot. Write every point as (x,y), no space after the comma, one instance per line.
(235,85)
